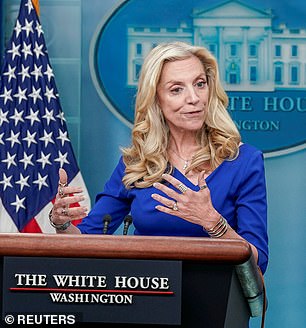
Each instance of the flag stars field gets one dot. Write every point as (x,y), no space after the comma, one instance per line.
(34,141)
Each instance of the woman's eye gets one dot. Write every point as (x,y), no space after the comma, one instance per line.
(201,84)
(176,90)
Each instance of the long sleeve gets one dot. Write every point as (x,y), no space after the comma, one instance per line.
(251,207)
(114,200)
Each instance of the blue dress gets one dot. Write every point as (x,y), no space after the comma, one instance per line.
(238,192)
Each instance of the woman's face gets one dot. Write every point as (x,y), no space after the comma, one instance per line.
(183,94)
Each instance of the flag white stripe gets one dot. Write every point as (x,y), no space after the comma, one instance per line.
(6,222)
(42,218)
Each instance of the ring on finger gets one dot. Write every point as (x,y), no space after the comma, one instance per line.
(203,187)
(174,206)
(65,211)
(61,192)
(182,188)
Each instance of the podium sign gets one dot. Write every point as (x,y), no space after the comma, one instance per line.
(74,290)
(127,281)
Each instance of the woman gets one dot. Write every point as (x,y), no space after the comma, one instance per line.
(187,173)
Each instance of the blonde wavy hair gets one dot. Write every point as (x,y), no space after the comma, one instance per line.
(147,157)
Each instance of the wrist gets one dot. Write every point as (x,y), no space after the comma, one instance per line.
(211,219)
(59,227)
(219,229)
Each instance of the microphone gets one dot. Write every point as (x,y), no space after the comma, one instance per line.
(127,222)
(106,220)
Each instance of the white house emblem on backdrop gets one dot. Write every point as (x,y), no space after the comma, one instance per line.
(262,65)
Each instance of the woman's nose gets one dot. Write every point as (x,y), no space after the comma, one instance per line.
(192,96)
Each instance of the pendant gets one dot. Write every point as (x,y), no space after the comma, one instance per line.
(185,165)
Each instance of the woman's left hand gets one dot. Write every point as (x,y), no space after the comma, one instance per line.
(193,206)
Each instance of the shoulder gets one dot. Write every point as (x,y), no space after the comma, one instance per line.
(121,164)
(119,169)
(248,153)
(250,162)
(246,149)
(248,157)
(114,185)
(117,174)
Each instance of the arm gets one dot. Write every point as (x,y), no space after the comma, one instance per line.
(114,201)
(249,207)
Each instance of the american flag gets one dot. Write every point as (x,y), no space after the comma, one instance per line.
(34,141)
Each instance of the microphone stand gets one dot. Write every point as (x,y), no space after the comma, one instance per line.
(127,222)
(106,220)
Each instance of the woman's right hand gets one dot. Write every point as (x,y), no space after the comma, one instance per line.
(62,211)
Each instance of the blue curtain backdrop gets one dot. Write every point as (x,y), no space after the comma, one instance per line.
(97,133)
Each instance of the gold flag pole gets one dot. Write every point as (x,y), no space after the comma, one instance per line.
(36,6)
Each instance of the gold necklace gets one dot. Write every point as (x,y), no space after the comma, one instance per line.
(186,161)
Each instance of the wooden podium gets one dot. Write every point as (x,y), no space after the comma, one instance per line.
(218,284)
